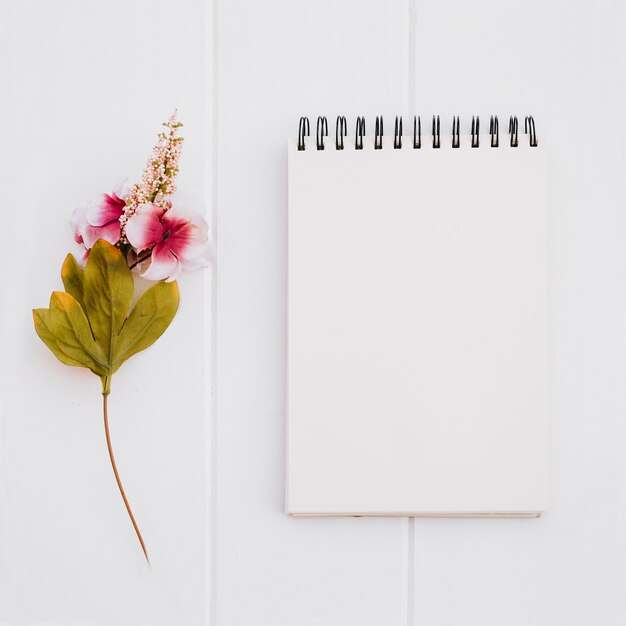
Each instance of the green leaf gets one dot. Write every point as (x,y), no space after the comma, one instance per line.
(73,276)
(71,331)
(151,316)
(86,326)
(41,317)
(107,292)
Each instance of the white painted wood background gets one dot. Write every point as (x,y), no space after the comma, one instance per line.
(563,62)
(243,72)
(85,87)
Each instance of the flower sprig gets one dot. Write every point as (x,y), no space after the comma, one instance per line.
(158,181)
(155,227)
(148,227)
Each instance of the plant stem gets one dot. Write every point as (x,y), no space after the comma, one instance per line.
(140,260)
(117,476)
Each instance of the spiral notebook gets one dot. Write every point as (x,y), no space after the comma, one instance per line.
(417,320)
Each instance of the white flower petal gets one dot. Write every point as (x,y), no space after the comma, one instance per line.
(162,263)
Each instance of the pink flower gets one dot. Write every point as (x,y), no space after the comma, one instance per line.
(179,236)
(98,220)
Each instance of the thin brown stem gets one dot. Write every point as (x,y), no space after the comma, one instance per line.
(117,477)
(140,259)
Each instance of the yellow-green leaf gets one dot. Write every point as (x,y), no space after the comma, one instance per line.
(41,317)
(73,276)
(107,292)
(151,316)
(87,326)
(71,331)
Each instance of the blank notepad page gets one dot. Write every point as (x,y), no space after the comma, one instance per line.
(417,331)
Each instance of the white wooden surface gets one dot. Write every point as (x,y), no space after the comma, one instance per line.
(85,87)
(561,61)
(67,63)
(276,61)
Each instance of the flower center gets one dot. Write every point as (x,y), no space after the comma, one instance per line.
(166,235)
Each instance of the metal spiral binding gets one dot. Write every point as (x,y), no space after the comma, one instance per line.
(378,133)
(341,131)
(494,131)
(456,132)
(360,133)
(475,132)
(529,125)
(304,129)
(513,127)
(436,135)
(417,132)
(322,131)
(397,134)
